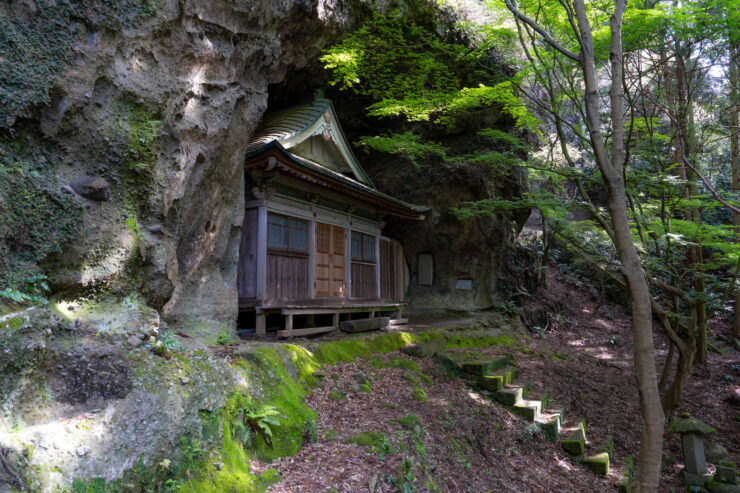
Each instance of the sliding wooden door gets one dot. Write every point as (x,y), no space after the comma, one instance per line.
(330,260)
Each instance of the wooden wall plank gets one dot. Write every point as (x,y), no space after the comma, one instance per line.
(287,277)
(246,278)
(364,278)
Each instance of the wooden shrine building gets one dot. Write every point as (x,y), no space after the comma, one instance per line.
(312,250)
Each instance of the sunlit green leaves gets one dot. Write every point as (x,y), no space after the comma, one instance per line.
(407,144)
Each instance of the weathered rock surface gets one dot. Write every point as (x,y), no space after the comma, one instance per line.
(159,103)
(161,107)
(91,187)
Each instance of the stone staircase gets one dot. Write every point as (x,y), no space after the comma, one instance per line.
(498,378)
(720,344)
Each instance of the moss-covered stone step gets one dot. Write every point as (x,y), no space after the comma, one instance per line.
(509,396)
(527,409)
(544,398)
(479,367)
(598,463)
(718,345)
(575,442)
(551,422)
(498,380)
(448,362)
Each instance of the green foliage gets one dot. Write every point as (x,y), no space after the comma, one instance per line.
(143,132)
(512,142)
(408,145)
(168,341)
(33,291)
(37,43)
(254,419)
(376,60)
(36,218)
(414,73)
(224,338)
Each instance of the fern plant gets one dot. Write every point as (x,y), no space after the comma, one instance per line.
(255,420)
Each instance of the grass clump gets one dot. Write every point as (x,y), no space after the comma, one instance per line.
(370,439)
(410,422)
(419,394)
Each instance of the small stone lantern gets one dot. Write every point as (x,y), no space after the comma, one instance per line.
(692,433)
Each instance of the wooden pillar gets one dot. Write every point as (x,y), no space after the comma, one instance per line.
(348,264)
(372,314)
(289,324)
(261,252)
(312,260)
(335,320)
(261,326)
(377,266)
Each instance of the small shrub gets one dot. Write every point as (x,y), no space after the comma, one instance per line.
(168,342)
(224,339)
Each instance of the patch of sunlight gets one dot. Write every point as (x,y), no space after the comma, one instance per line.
(65,309)
(479,398)
(72,437)
(603,354)
(241,382)
(564,464)
(577,342)
(407,338)
(586,310)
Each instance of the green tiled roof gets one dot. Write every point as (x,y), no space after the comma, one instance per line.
(294,125)
(284,124)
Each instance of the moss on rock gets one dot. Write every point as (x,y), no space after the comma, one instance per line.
(598,463)
(419,394)
(367,439)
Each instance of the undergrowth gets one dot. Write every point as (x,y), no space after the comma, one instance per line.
(272,420)
(36,218)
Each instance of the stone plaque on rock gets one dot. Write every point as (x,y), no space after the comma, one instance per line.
(464,284)
(425,268)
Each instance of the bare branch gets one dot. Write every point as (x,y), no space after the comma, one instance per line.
(512,6)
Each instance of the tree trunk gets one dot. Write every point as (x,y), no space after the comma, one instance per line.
(612,170)
(651,443)
(683,366)
(735,153)
(667,367)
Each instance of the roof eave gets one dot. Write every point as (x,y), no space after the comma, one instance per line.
(390,204)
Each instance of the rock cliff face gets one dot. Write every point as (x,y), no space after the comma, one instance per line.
(123,125)
(154,103)
(160,102)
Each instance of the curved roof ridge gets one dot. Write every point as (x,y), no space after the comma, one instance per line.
(291,126)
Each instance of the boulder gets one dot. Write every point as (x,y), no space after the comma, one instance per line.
(726,473)
(364,324)
(448,362)
(424,349)
(716,453)
(92,187)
